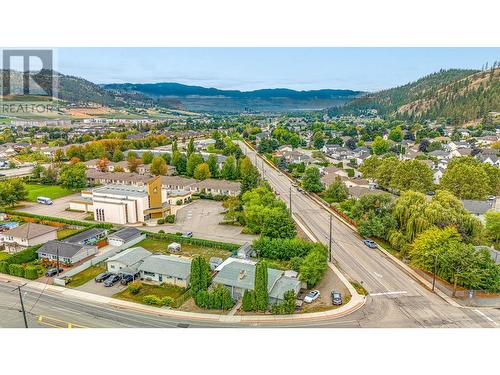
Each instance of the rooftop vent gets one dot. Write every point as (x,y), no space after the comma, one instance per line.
(242,274)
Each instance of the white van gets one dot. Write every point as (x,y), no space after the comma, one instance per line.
(44,200)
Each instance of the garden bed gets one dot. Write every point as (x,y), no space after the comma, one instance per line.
(159,291)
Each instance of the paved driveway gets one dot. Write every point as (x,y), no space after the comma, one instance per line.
(100,289)
(58,209)
(202,217)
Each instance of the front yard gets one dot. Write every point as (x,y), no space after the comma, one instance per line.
(85,276)
(49,191)
(159,291)
(160,246)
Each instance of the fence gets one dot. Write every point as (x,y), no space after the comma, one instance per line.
(101,258)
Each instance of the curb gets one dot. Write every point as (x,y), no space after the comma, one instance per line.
(356,303)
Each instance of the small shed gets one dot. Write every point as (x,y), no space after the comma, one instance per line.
(246,251)
(174,247)
(215,262)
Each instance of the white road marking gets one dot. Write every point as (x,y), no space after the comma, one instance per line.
(485,316)
(388,293)
(377,274)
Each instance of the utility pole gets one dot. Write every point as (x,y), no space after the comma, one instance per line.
(330,241)
(290,198)
(57,261)
(22,304)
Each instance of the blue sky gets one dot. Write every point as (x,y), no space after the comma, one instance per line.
(366,69)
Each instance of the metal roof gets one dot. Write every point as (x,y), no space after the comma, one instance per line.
(283,285)
(167,265)
(126,234)
(83,236)
(130,256)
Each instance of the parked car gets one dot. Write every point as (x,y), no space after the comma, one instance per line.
(52,272)
(371,244)
(112,280)
(311,296)
(336,298)
(102,276)
(188,234)
(126,279)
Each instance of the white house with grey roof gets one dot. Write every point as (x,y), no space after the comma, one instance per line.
(68,253)
(238,276)
(127,261)
(124,235)
(26,235)
(168,269)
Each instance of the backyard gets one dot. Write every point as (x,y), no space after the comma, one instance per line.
(85,276)
(49,191)
(159,291)
(63,233)
(160,246)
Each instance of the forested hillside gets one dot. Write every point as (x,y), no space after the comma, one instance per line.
(455,95)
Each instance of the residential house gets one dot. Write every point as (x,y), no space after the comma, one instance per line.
(67,253)
(125,235)
(216,187)
(88,237)
(26,235)
(167,269)
(478,207)
(238,275)
(127,261)
(296,157)
(95,177)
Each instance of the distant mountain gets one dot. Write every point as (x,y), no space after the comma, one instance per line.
(80,91)
(197,98)
(457,95)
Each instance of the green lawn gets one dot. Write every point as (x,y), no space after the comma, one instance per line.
(160,246)
(148,289)
(63,233)
(49,191)
(85,276)
(3,255)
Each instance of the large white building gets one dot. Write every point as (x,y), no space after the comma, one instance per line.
(122,204)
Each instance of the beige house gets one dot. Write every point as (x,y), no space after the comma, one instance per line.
(26,235)
(168,269)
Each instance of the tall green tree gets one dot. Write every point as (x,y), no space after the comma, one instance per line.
(337,191)
(190,147)
(380,146)
(260,286)
(147,157)
(396,134)
(179,161)
(200,275)
(192,162)
(412,175)
(313,267)
(213,165)
(73,176)
(12,192)
(278,224)
(229,170)
(311,181)
(117,156)
(492,227)
(159,166)
(466,178)
(202,172)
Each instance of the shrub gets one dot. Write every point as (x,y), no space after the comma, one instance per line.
(16,270)
(287,306)
(248,303)
(283,248)
(160,221)
(167,301)
(31,273)
(170,219)
(4,267)
(217,299)
(135,287)
(295,263)
(161,231)
(152,300)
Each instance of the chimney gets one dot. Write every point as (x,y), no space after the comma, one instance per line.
(242,274)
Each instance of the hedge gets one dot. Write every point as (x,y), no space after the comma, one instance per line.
(283,248)
(192,241)
(60,220)
(16,270)
(31,273)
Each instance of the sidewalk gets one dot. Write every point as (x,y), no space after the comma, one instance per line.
(354,304)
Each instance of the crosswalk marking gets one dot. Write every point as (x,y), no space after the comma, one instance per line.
(388,293)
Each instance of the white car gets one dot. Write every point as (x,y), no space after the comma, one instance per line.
(311,296)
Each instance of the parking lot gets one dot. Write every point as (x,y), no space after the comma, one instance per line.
(57,209)
(202,217)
